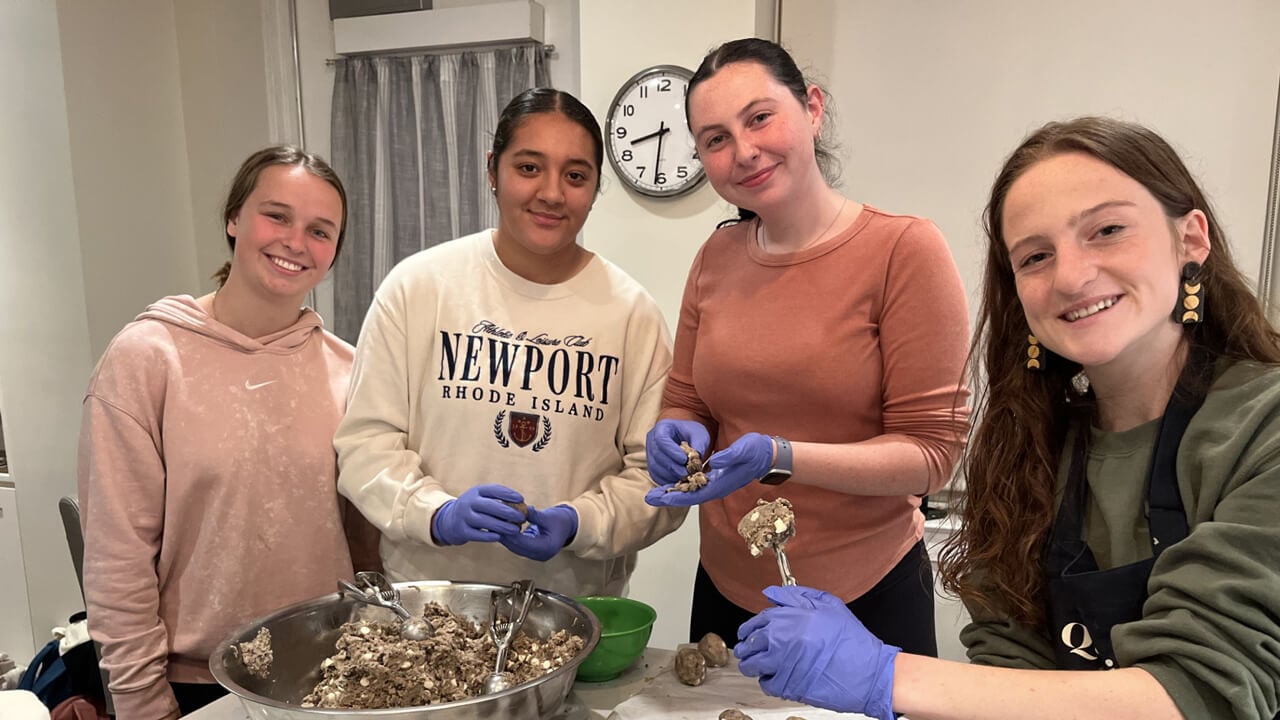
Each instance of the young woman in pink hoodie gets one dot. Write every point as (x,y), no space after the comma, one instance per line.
(207,469)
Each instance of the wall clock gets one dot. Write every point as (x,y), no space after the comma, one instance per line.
(649,144)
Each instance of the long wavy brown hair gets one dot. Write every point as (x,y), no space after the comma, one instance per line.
(996,559)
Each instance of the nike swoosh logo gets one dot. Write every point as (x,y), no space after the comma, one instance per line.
(247,386)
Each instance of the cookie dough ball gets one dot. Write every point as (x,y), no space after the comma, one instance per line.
(734,714)
(691,667)
(768,525)
(714,650)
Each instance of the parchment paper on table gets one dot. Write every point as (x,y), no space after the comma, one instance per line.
(667,698)
(767,525)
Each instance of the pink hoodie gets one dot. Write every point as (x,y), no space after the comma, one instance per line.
(207,490)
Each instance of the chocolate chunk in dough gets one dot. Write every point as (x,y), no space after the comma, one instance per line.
(734,714)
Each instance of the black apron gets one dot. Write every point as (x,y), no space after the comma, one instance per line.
(1085,603)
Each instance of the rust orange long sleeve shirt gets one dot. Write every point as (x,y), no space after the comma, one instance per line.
(861,336)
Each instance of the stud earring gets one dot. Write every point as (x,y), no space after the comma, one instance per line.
(1080,383)
(1033,353)
(1190,307)
(493,189)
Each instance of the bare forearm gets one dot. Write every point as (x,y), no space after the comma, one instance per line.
(927,688)
(883,465)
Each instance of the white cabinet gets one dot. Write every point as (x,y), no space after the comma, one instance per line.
(15,613)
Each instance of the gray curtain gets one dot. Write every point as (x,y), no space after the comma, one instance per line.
(409,137)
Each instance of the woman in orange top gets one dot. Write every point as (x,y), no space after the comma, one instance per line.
(811,317)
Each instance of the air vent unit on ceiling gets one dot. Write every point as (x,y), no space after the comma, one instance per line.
(363,8)
(480,23)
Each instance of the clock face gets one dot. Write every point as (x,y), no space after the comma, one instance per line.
(649,144)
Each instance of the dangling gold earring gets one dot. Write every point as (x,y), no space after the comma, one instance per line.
(1190,307)
(1033,353)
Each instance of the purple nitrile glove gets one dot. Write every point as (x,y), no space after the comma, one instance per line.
(662,449)
(548,532)
(747,459)
(481,514)
(811,649)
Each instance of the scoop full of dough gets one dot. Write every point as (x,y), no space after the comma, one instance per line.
(769,525)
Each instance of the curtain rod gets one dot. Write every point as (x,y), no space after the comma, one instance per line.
(547,49)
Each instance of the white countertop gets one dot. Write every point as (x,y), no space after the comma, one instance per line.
(587,701)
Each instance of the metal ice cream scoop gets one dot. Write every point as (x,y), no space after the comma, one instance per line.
(784,567)
(503,629)
(375,589)
(769,525)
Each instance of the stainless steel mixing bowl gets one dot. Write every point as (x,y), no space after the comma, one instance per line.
(303,635)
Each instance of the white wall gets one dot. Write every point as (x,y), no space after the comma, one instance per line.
(223,113)
(44,334)
(933,95)
(654,240)
(129,157)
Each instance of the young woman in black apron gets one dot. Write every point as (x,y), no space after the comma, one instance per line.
(1123,483)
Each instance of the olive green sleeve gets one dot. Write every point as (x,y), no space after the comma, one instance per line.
(1210,630)
(1000,642)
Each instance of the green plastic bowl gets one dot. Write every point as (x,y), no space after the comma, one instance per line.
(625,625)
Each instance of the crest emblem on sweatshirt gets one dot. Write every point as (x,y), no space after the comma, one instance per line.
(522,429)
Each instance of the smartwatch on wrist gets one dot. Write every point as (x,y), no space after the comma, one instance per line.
(781,469)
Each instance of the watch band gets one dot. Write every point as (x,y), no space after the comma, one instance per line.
(781,469)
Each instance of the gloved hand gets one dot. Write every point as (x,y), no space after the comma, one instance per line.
(662,449)
(811,649)
(747,459)
(478,515)
(548,532)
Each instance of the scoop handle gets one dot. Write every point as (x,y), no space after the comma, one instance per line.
(370,597)
(784,567)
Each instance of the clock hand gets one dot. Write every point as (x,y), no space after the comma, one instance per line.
(657,160)
(662,130)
